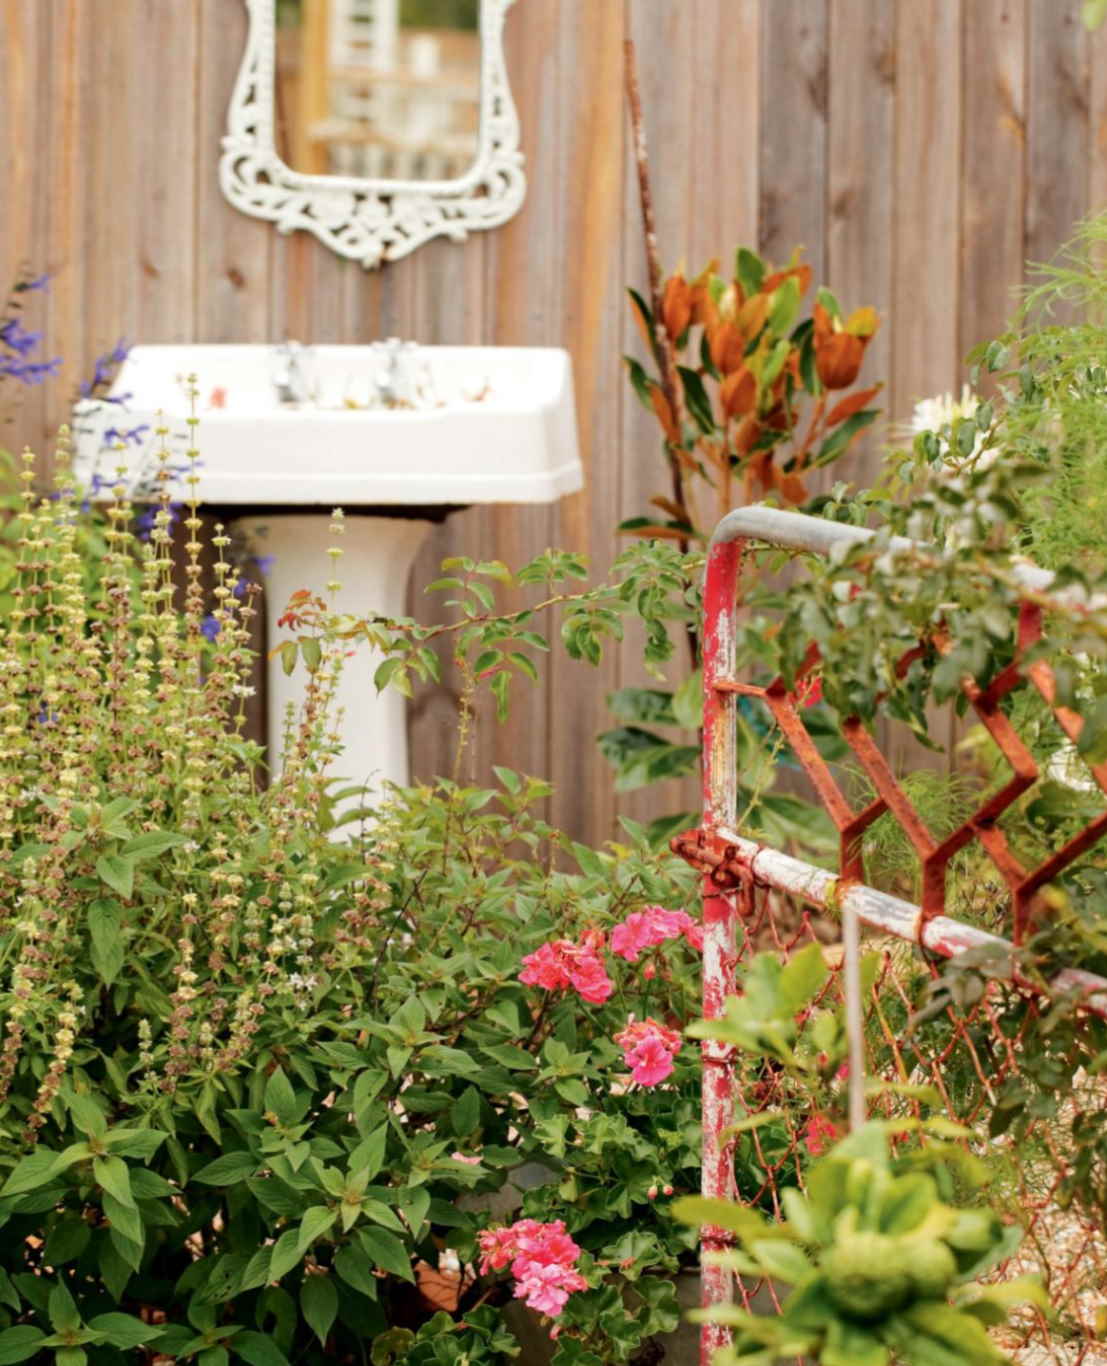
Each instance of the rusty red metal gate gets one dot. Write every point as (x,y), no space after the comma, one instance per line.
(734,867)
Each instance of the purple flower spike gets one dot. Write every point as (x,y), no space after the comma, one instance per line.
(37,282)
(16,338)
(209,627)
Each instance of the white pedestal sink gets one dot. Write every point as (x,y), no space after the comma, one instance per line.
(502,430)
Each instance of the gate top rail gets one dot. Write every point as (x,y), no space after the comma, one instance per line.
(726,858)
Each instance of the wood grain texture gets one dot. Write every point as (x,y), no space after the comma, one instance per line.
(860,187)
(1058,130)
(993,167)
(917,151)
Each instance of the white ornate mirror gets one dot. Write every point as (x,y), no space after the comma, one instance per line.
(374,124)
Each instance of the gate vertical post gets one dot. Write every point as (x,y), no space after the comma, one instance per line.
(720,779)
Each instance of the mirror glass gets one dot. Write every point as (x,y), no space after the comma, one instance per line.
(383,89)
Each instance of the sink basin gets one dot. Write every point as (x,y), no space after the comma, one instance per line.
(502,429)
(515,443)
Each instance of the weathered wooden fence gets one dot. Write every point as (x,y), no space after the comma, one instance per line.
(920,151)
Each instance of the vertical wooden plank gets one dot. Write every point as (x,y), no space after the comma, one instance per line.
(664,39)
(25,34)
(925,302)
(724,134)
(233,252)
(66,256)
(860,150)
(993,170)
(165,100)
(1097,170)
(793,141)
(591,187)
(1059,136)
(925,357)
(523,278)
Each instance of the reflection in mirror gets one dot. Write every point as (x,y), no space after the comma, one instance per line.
(385,89)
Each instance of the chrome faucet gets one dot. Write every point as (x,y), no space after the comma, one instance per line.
(289,376)
(393,382)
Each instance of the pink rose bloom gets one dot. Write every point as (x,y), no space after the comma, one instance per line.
(648,1050)
(561,963)
(650,1062)
(653,925)
(589,977)
(546,966)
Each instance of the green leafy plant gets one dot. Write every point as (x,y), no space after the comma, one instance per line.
(880,1263)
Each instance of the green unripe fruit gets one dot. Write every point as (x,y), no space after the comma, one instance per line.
(932,1267)
(868,1275)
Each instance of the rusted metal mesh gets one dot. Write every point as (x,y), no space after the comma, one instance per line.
(960,1057)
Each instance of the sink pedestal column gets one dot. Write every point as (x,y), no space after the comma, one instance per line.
(376,560)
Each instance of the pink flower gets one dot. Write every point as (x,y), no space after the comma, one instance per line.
(561,963)
(542,1258)
(589,977)
(546,1288)
(545,967)
(648,1050)
(817,1133)
(653,925)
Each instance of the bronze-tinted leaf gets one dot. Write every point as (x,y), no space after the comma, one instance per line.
(838,359)
(738,392)
(853,403)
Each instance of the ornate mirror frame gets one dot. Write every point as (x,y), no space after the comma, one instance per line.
(370,221)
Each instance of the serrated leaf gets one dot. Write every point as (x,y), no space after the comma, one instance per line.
(118,872)
(386,1252)
(319,1305)
(227,1170)
(106,938)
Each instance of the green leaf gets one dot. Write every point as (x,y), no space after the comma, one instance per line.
(802,978)
(319,1305)
(640,382)
(280,1098)
(118,872)
(699,404)
(227,1170)
(386,1251)
(786,298)
(152,843)
(646,706)
(258,1349)
(312,652)
(61,1309)
(315,1223)
(111,1174)
(87,1115)
(285,1255)
(351,1266)
(106,938)
(749,270)
(125,1331)
(19,1343)
(688,701)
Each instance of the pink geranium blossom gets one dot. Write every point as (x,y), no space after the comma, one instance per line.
(542,1259)
(561,963)
(653,925)
(648,1050)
